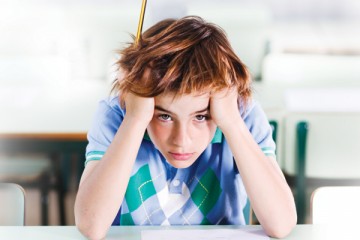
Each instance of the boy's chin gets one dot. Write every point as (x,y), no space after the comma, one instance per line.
(180,164)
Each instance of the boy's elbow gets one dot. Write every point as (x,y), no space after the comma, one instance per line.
(90,231)
(87,224)
(282,228)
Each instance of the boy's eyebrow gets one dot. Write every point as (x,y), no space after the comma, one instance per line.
(167,111)
(161,109)
(203,110)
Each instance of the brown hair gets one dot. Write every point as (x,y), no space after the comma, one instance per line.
(181,56)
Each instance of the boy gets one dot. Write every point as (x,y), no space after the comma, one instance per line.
(182,143)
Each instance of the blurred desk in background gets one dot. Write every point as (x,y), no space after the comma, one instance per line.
(65,150)
(45,123)
(59,146)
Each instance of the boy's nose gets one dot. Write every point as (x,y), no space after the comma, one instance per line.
(181,136)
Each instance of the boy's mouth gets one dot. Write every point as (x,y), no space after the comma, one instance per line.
(181,156)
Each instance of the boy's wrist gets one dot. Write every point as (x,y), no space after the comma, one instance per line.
(230,125)
(136,122)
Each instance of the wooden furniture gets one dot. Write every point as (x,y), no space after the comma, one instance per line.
(60,148)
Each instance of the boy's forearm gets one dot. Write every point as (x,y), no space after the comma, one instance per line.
(102,190)
(270,196)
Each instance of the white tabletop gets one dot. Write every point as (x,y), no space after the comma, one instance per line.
(301,232)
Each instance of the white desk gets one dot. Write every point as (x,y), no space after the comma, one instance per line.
(301,232)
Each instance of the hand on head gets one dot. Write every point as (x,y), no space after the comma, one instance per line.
(139,108)
(224,108)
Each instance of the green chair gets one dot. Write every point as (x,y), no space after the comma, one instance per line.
(300,159)
(12,202)
(321,150)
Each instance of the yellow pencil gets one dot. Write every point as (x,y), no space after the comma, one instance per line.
(141,21)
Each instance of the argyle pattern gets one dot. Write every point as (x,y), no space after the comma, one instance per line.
(143,205)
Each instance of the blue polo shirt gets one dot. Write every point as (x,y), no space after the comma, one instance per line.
(210,191)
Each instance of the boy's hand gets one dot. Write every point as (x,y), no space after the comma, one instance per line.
(139,109)
(224,108)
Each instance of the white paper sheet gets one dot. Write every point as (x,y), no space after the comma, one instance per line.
(210,234)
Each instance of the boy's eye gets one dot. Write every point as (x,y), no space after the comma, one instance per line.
(165,117)
(201,118)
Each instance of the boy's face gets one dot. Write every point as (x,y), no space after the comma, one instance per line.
(181,128)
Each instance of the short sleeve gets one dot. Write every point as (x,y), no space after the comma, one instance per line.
(106,122)
(259,127)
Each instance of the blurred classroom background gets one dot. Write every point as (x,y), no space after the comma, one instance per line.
(56,63)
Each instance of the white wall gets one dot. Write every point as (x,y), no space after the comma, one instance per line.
(56,56)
